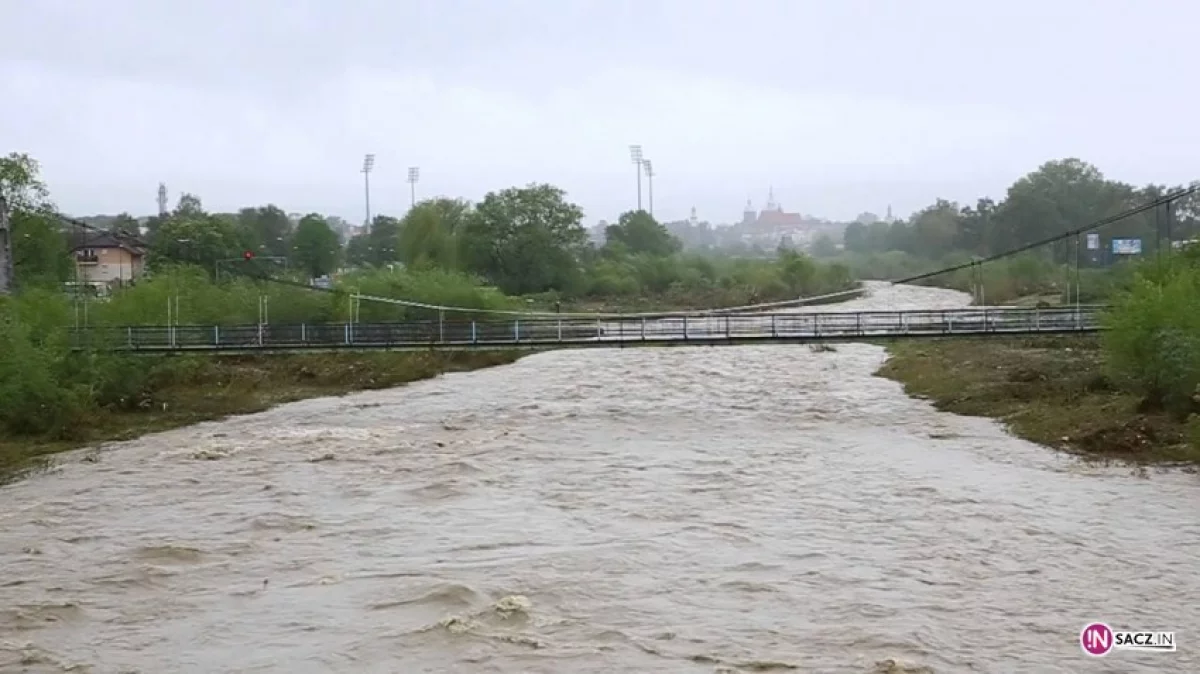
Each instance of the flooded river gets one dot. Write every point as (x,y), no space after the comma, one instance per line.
(727,509)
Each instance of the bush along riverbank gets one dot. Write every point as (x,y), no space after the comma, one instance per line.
(158,394)
(1055,391)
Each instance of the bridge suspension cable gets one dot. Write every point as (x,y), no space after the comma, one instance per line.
(1165,199)
(600,314)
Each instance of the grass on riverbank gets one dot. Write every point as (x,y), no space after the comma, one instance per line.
(184,390)
(1050,390)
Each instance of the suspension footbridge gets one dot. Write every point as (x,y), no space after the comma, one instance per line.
(606,332)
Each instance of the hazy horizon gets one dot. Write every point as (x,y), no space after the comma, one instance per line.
(840,107)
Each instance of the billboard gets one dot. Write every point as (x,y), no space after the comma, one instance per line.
(1127,246)
(1093,241)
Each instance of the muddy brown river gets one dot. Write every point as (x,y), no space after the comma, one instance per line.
(728,509)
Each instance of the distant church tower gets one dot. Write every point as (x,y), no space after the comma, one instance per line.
(748,214)
(692,220)
(771,205)
(162,199)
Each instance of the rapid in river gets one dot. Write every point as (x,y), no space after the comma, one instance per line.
(688,509)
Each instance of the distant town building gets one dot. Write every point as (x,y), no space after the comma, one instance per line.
(867,218)
(597,233)
(106,259)
(773,224)
(694,233)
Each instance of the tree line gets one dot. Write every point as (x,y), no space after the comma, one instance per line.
(524,241)
(514,247)
(1058,197)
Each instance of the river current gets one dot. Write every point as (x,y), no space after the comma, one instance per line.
(720,509)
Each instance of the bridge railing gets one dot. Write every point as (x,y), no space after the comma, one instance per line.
(550,331)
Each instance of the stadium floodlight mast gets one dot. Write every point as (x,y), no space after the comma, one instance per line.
(368,165)
(649,183)
(414,174)
(635,153)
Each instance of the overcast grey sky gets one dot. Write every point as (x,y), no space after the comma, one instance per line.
(841,105)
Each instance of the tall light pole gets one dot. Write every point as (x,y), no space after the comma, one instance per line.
(414,174)
(650,182)
(368,164)
(635,152)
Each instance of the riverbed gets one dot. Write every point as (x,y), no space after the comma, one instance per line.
(720,509)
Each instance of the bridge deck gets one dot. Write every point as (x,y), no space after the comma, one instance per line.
(604,332)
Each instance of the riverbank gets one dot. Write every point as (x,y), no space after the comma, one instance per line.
(185,390)
(1050,390)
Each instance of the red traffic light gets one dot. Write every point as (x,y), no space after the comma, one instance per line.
(248,255)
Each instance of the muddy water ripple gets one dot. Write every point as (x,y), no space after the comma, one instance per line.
(729,509)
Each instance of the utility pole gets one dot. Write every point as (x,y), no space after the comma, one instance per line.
(650,182)
(368,164)
(6,270)
(414,174)
(635,152)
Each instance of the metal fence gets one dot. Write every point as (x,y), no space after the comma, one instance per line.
(552,331)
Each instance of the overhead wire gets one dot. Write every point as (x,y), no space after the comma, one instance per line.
(1165,199)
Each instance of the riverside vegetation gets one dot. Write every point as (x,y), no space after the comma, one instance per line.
(1056,198)
(1130,393)
(517,248)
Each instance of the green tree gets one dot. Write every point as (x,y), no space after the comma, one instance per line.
(798,272)
(526,239)
(188,205)
(40,254)
(39,245)
(153,223)
(265,229)
(429,233)
(856,238)
(639,232)
(383,240)
(358,250)
(934,230)
(824,246)
(1059,196)
(974,226)
(21,184)
(315,246)
(1153,336)
(191,236)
